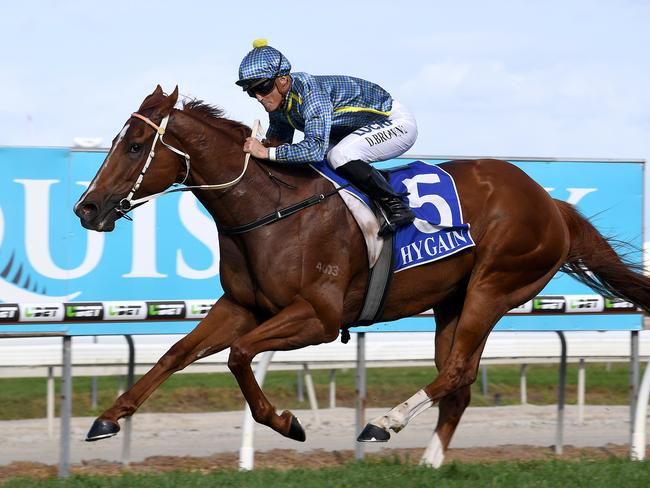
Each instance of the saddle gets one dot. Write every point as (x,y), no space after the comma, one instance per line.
(436,232)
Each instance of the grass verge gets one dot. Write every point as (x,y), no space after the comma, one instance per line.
(211,392)
(385,473)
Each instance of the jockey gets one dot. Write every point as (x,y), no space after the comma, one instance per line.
(349,121)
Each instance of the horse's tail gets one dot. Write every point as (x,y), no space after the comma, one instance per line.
(593,261)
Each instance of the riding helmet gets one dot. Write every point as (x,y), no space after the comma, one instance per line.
(263,62)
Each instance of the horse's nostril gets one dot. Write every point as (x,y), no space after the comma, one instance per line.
(89,208)
(87,211)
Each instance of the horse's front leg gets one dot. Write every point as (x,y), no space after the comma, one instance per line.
(225,322)
(294,327)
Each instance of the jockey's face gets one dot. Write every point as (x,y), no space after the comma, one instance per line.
(272,101)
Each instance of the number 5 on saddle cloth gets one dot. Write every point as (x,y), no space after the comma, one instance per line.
(438,230)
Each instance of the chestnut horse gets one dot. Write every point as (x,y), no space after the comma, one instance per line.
(276,295)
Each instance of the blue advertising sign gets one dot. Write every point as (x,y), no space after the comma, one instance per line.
(170,249)
(610,194)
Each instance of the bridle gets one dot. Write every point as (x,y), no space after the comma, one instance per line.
(129,203)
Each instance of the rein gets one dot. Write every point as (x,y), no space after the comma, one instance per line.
(127,204)
(279,214)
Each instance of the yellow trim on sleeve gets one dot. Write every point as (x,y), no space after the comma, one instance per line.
(360,109)
(293,96)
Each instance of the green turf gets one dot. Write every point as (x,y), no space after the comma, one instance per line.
(25,397)
(378,474)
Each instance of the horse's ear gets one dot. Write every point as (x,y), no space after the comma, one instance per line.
(153,99)
(173,96)
(168,103)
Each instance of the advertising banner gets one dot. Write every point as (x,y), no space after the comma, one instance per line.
(170,249)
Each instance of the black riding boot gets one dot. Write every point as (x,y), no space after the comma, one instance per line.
(370,181)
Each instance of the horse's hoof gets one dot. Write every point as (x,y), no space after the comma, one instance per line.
(296,432)
(372,433)
(102,429)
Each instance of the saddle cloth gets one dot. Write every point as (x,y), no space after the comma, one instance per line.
(438,230)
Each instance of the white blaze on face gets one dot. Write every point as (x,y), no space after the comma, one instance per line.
(120,136)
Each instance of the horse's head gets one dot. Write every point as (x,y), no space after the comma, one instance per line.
(130,170)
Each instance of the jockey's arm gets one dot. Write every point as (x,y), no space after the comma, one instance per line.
(317,112)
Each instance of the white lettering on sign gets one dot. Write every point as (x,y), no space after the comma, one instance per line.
(144,254)
(202,227)
(143,257)
(575,194)
(37,235)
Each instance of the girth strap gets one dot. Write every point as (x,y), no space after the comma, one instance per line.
(380,277)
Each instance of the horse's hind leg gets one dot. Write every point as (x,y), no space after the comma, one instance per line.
(452,406)
(480,314)
(496,286)
(223,324)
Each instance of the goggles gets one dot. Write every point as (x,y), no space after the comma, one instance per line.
(262,87)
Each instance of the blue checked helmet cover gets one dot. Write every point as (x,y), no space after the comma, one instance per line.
(263,62)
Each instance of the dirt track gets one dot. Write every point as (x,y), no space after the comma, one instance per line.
(211,440)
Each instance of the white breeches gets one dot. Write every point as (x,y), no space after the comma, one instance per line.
(377,142)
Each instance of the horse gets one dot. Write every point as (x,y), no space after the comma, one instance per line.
(276,294)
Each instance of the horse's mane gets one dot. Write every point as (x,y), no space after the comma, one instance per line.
(210,113)
(199,107)
(215,116)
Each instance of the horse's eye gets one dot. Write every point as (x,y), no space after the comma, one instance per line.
(135,148)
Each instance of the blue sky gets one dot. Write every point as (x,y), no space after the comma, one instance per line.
(511,78)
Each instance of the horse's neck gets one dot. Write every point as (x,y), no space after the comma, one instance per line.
(217,157)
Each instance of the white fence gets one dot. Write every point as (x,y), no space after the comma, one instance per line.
(109,355)
(23,357)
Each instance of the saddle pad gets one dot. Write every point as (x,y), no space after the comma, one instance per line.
(438,230)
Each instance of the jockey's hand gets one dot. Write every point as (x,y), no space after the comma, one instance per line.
(255,148)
